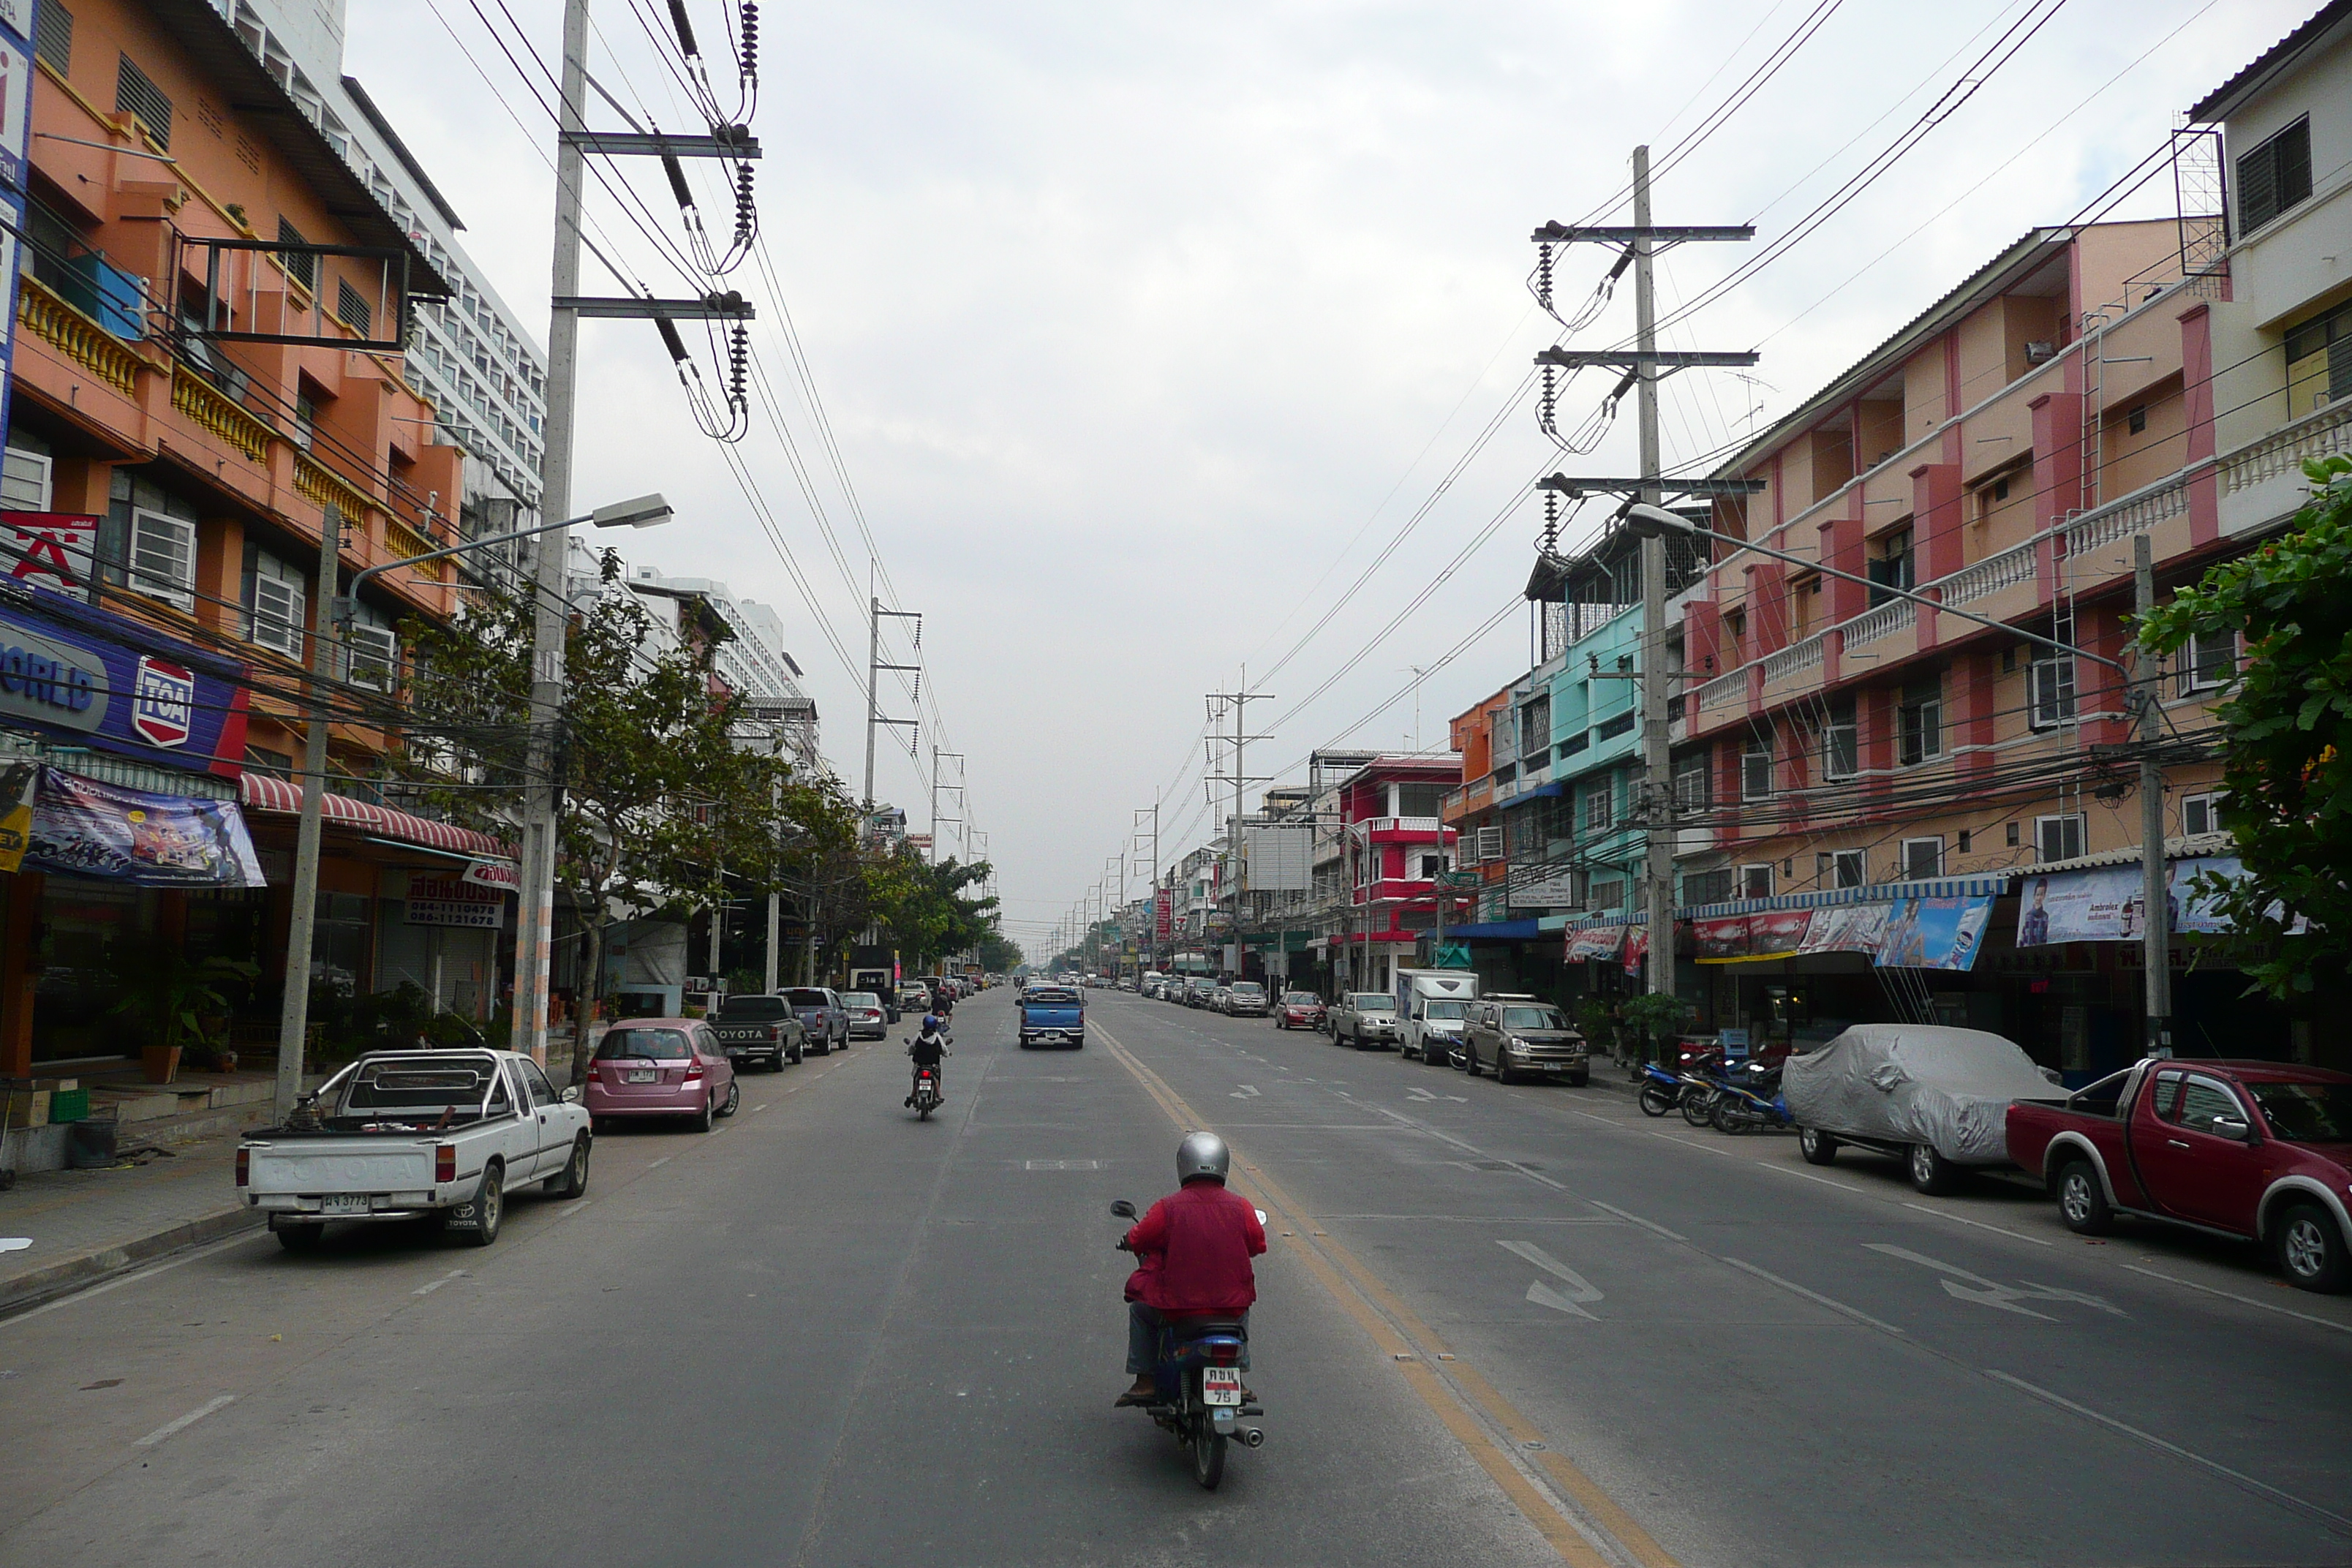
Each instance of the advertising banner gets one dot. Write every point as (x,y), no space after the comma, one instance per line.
(1846,928)
(71,670)
(1934,933)
(1595,944)
(455,900)
(1721,940)
(1163,914)
(2104,904)
(52,550)
(1637,948)
(1779,934)
(86,828)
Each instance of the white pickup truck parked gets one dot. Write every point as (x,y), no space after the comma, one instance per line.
(435,1135)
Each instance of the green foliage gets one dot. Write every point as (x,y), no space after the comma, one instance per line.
(2288,724)
(1652,1017)
(170,998)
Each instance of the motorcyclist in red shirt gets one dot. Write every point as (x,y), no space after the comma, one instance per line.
(1193,1258)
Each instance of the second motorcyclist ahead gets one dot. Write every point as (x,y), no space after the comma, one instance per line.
(929,1048)
(1192,1253)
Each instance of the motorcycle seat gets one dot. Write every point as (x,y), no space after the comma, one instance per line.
(1202,1327)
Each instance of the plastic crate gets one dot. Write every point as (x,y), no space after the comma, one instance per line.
(70,1105)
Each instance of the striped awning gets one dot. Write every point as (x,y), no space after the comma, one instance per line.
(1869,893)
(262,791)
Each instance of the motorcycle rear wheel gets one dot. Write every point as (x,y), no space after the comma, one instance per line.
(1729,1115)
(1208,1447)
(1656,1101)
(1698,1106)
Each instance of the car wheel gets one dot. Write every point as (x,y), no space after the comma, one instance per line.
(734,1099)
(301,1238)
(704,1118)
(1930,1171)
(1578,1080)
(573,1182)
(796,1053)
(821,1048)
(1469,1055)
(2310,1250)
(489,1206)
(1817,1146)
(2082,1201)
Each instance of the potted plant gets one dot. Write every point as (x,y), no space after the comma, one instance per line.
(1654,1017)
(169,996)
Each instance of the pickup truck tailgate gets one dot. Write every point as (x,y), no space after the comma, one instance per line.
(406,1165)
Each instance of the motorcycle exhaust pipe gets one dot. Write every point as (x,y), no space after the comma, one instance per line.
(1251,1437)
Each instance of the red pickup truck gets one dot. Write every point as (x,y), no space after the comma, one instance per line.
(2259,1151)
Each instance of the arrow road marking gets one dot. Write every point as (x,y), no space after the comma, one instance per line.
(1580,1290)
(1990,1293)
(1247,1092)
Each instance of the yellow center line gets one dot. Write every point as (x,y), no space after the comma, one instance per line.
(1485,1423)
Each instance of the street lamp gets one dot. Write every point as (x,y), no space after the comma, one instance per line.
(1646,522)
(294,1012)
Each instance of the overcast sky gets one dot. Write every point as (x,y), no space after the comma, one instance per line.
(1142,329)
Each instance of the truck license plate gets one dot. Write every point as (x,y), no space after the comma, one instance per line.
(355,1204)
(1221,1385)
(641,1075)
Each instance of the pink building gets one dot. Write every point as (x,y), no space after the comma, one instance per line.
(1394,847)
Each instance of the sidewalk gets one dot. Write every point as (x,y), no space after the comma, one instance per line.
(86,1225)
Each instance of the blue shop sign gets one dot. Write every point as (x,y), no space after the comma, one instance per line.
(103,681)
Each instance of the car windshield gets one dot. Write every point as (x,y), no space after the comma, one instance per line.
(753,1007)
(2306,1112)
(643,1045)
(1301,999)
(861,999)
(809,998)
(1445,1010)
(1249,988)
(1533,1018)
(1374,1002)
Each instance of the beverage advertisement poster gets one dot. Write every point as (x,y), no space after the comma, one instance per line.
(1846,928)
(1934,933)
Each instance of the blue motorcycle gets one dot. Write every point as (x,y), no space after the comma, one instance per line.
(1199,1373)
(1660,1090)
(1750,1099)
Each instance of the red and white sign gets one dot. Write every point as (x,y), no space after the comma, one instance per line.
(54,549)
(161,698)
(455,900)
(1163,914)
(496,874)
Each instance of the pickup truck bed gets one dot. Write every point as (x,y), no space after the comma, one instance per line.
(2258,1150)
(1052,1015)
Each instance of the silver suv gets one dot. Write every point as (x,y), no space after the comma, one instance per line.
(1523,1035)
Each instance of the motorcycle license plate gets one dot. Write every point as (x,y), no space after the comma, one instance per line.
(642,1075)
(1221,1385)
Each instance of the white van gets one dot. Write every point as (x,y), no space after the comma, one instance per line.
(1432,1008)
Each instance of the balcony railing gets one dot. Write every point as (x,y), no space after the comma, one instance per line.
(1794,659)
(1890,618)
(2135,513)
(1723,688)
(75,336)
(2320,434)
(208,408)
(1989,575)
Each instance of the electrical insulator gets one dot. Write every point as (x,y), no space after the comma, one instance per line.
(1546,409)
(1543,276)
(744,204)
(750,46)
(739,353)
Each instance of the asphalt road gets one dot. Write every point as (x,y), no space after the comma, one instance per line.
(1520,1325)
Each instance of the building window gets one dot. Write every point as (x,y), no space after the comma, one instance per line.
(135,95)
(1840,869)
(2320,361)
(2201,813)
(1920,719)
(1432,866)
(25,479)
(1891,567)
(352,308)
(1535,728)
(371,652)
(1692,782)
(275,602)
(2057,838)
(1756,772)
(1923,858)
(1965,834)
(1755,881)
(2137,420)
(2010,834)
(2212,661)
(53,36)
(2274,177)
(1490,843)
(258,759)
(301,265)
(2050,689)
(164,558)
(1840,742)
(1599,805)
(1707,887)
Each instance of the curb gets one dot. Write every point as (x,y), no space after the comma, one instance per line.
(27,1290)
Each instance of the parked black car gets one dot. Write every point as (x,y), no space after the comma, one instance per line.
(759,1029)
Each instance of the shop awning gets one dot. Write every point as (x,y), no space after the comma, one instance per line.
(1984,887)
(263,792)
(1497,931)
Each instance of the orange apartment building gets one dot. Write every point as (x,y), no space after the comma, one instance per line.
(189,478)
(2088,387)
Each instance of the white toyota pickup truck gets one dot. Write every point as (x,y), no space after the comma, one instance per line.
(439,1135)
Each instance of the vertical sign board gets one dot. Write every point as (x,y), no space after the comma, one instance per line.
(15,145)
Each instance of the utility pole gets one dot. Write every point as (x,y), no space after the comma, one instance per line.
(1642,368)
(2155,921)
(874,667)
(1152,914)
(294,1008)
(535,903)
(937,755)
(1236,703)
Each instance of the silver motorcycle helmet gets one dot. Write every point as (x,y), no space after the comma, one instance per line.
(1202,1154)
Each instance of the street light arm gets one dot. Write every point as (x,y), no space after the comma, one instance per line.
(646,512)
(1651,520)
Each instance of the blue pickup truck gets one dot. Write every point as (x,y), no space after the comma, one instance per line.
(1054,1015)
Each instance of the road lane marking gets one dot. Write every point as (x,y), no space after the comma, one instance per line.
(1808,1176)
(1580,1290)
(185,1422)
(1961,1219)
(100,1290)
(2153,1441)
(427,1288)
(1857,1313)
(665,1160)
(1984,1292)
(1570,1509)
(2242,1301)
(1637,1219)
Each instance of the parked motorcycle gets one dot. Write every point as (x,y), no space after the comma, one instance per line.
(1750,1099)
(1661,1092)
(1700,1081)
(1199,1374)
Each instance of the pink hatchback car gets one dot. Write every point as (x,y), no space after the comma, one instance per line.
(661,1067)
